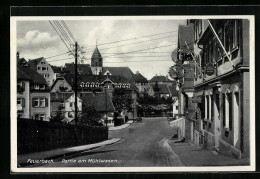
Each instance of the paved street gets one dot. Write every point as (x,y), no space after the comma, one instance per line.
(144,144)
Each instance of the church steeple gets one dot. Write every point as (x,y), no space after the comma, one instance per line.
(96,61)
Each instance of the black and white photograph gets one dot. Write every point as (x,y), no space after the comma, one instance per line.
(132,93)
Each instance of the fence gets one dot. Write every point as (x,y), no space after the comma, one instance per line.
(33,135)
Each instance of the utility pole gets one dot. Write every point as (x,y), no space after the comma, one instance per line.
(106,104)
(76,82)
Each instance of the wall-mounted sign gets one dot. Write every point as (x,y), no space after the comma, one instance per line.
(176,72)
(196,99)
(210,69)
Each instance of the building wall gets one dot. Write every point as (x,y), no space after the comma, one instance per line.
(52,76)
(69,109)
(40,110)
(246,115)
(26,96)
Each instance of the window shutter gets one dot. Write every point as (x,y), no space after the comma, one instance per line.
(46,102)
(23,102)
(33,102)
(23,86)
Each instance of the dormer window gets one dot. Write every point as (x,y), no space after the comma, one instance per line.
(36,86)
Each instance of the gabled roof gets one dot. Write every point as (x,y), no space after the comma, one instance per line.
(57,69)
(173,90)
(186,34)
(34,76)
(120,71)
(34,62)
(139,78)
(160,79)
(58,79)
(163,89)
(61,97)
(97,101)
(22,76)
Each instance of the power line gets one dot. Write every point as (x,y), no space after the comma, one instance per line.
(57,55)
(132,38)
(140,61)
(138,56)
(141,50)
(60,59)
(59,35)
(135,43)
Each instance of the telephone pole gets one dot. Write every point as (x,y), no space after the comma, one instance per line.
(76,82)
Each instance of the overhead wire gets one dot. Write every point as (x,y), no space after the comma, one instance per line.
(133,43)
(132,38)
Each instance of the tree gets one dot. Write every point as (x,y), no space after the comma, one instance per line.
(59,115)
(122,98)
(90,116)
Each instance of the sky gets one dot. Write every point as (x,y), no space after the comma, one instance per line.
(38,39)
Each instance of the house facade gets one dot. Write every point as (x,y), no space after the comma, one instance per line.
(64,103)
(43,68)
(33,93)
(221,85)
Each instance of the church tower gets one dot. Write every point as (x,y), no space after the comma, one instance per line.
(96,62)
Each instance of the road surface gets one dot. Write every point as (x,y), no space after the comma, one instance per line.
(144,144)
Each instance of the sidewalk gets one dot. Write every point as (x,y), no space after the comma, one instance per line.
(122,126)
(191,155)
(57,153)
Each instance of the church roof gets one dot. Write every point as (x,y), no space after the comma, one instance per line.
(96,54)
(125,72)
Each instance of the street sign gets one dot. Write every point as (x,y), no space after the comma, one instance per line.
(196,99)
(210,69)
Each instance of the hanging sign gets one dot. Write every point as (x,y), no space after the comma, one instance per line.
(176,72)
(210,69)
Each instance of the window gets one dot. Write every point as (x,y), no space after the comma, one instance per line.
(42,62)
(71,104)
(207,101)
(40,102)
(20,104)
(39,68)
(230,112)
(224,109)
(20,86)
(212,108)
(42,86)
(36,86)
(40,117)
(44,68)
(176,107)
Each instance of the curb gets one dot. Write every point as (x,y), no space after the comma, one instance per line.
(66,154)
(129,124)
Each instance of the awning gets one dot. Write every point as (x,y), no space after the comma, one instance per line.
(234,88)
(225,88)
(198,93)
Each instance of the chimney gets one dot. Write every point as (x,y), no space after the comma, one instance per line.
(17,56)
(137,72)
(167,78)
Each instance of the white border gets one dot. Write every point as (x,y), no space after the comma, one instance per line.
(13,127)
